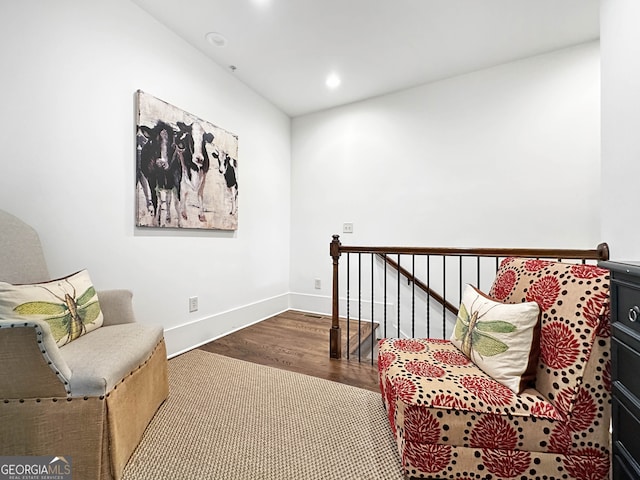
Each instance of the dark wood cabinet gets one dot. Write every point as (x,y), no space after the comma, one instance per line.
(625,368)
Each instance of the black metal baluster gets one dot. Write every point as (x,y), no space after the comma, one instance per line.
(373,330)
(444,295)
(384,256)
(348,310)
(359,304)
(428,298)
(413,296)
(459,279)
(398,295)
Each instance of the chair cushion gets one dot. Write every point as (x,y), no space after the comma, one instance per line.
(69,305)
(439,403)
(434,373)
(100,360)
(500,338)
(573,299)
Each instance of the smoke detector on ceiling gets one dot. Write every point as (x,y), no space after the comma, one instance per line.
(216,39)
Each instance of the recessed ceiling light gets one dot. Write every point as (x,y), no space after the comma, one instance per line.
(216,39)
(333,81)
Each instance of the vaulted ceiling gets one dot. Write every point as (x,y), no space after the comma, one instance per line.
(286,49)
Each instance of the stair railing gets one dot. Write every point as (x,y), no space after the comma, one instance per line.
(427,253)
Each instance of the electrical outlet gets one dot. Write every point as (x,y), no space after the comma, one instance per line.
(193,304)
(317,284)
(347,227)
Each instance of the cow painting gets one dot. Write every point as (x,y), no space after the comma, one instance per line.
(141,179)
(191,143)
(186,169)
(160,168)
(227,167)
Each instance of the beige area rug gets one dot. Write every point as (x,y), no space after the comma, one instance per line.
(229,419)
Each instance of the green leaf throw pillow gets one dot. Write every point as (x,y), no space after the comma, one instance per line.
(69,305)
(502,339)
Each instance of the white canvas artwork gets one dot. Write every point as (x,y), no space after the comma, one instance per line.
(186,169)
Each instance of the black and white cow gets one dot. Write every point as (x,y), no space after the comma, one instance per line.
(141,179)
(161,168)
(227,167)
(191,141)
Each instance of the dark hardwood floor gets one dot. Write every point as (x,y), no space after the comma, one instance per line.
(298,342)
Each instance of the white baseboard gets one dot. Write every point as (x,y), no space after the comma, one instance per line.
(320,304)
(323,305)
(190,335)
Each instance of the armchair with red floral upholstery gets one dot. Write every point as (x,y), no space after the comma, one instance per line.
(451,419)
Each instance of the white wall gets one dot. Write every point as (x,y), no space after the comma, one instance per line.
(500,157)
(70,70)
(505,157)
(620,40)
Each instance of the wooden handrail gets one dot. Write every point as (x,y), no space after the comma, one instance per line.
(336,249)
(600,253)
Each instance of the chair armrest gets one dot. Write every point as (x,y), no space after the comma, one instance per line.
(31,365)
(116,306)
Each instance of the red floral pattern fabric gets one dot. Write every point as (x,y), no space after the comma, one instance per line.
(504,284)
(559,348)
(453,421)
(424,369)
(409,345)
(535,265)
(544,291)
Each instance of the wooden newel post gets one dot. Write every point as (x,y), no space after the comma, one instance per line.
(603,251)
(335,336)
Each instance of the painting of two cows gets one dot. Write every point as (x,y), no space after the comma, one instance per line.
(186,169)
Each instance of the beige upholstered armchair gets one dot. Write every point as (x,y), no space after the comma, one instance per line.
(89,400)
